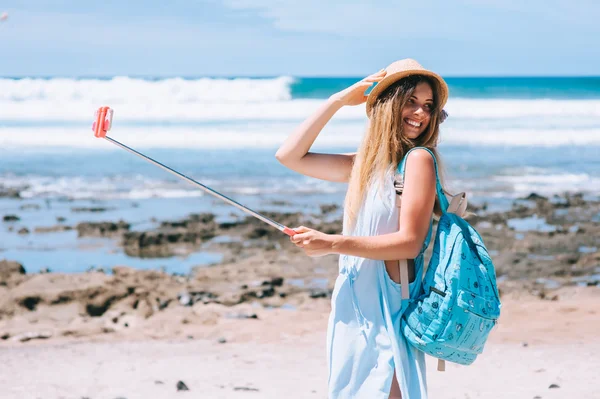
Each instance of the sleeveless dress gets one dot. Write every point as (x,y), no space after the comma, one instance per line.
(364,342)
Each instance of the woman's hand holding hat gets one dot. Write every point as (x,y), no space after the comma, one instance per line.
(355,94)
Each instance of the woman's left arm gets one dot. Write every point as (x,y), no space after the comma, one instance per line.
(418,198)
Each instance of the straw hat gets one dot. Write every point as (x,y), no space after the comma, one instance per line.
(401,69)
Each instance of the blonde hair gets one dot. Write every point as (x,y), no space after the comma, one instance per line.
(385,143)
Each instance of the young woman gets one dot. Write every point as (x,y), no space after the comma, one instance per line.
(367,355)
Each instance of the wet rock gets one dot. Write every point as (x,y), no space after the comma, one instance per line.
(328,208)
(11,218)
(320,293)
(90,209)
(102,229)
(8,192)
(535,197)
(61,219)
(193,221)
(163,243)
(258,232)
(52,229)
(29,206)
(553,386)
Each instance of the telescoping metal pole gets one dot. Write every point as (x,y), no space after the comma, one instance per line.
(103,124)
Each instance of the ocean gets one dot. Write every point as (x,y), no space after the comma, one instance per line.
(505,138)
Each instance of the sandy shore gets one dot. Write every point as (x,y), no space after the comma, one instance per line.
(280,354)
(254,324)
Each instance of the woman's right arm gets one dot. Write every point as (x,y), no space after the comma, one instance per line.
(294,152)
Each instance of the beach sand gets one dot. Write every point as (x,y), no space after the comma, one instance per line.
(538,343)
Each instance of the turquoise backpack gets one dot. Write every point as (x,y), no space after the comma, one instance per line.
(452,316)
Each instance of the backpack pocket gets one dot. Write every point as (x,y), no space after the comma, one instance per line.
(488,308)
(473,318)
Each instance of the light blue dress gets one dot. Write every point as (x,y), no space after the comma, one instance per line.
(364,343)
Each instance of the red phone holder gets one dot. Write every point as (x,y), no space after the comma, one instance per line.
(103,121)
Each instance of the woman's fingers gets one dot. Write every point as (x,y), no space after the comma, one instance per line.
(301,229)
(381,73)
(298,238)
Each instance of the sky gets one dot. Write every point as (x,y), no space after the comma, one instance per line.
(195,38)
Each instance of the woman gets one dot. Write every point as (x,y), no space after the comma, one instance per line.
(367,355)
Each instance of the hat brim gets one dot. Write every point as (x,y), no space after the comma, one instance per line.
(442,87)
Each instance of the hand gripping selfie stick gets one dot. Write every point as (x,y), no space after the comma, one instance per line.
(102,125)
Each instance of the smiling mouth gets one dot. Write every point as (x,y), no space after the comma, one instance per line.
(412,123)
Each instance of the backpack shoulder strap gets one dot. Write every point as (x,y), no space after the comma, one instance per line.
(440,192)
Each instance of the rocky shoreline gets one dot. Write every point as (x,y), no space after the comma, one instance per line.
(538,246)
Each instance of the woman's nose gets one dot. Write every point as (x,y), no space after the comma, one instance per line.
(419,111)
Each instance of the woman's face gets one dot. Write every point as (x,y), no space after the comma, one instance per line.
(417,111)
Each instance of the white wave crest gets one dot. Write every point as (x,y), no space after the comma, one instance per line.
(125,90)
(212,99)
(338,135)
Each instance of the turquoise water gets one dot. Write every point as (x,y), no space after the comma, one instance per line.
(476,87)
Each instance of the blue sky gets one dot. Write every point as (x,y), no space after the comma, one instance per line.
(300,38)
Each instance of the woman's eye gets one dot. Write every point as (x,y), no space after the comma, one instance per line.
(428,106)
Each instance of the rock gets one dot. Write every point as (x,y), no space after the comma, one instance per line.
(23,231)
(162,243)
(535,197)
(158,382)
(320,293)
(247,389)
(52,229)
(90,209)
(553,386)
(61,219)
(101,229)
(11,218)
(181,386)
(28,336)
(30,302)
(328,208)
(258,232)
(194,221)
(221,340)
(8,192)
(11,272)
(275,281)
(29,206)
(241,316)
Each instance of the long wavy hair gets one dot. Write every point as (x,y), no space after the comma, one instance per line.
(385,144)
